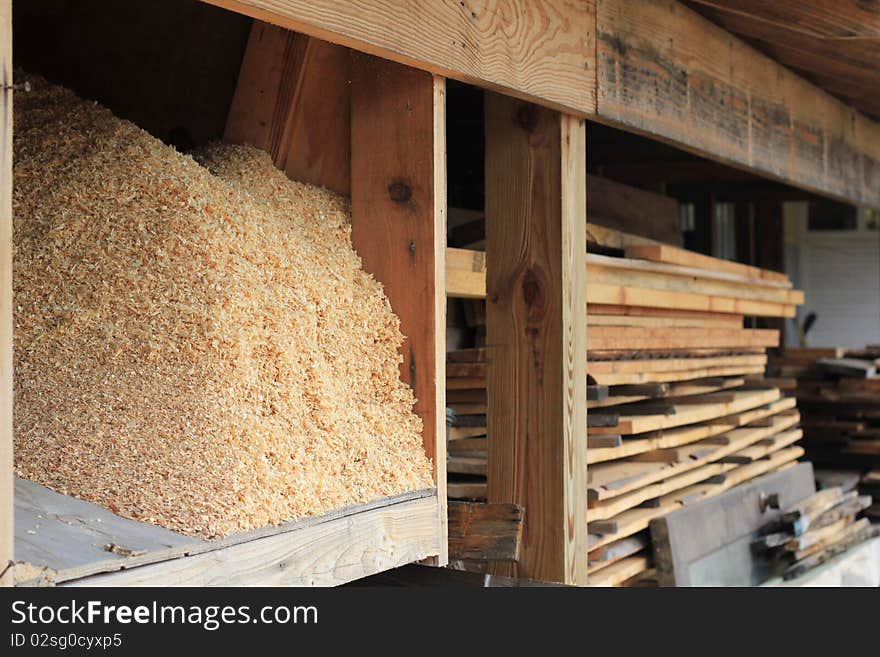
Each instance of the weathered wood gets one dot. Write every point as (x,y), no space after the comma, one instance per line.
(398,217)
(848,367)
(540,51)
(536,324)
(72,537)
(708,542)
(665,70)
(6,93)
(485,532)
(293,100)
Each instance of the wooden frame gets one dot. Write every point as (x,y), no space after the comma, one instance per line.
(6,517)
(381,139)
(651,66)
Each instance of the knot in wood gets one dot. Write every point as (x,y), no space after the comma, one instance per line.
(400,191)
(533,291)
(527,117)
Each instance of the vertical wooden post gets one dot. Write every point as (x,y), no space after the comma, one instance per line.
(6,507)
(537,330)
(398,210)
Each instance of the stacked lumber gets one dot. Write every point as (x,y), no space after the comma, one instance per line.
(838,394)
(678,408)
(815,530)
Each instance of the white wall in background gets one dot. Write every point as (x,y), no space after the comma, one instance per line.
(839,271)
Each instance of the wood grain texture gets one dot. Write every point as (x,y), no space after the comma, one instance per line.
(398,209)
(484,532)
(536,328)
(325,554)
(665,70)
(6,530)
(623,207)
(293,100)
(543,51)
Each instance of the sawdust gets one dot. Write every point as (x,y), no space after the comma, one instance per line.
(199,353)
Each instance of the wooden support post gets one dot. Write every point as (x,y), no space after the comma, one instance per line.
(398,208)
(6,542)
(536,328)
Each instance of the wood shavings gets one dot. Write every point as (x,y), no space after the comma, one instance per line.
(193,349)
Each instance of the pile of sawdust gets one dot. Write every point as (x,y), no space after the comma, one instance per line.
(199,351)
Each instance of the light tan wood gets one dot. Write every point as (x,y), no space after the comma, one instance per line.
(326,554)
(665,70)
(645,297)
(596,367)
(536,328)
(6,93)
(293,100)
(466,274)
(398,206)
(670,255)
(731,321)
(542,51)
(618,206)
(620,571)
(626,337)
(686,435)
(689,413)
(682,375)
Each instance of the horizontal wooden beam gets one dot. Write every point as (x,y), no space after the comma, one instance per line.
(664,70)
(540,51)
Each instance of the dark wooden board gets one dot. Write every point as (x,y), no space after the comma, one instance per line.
(708,543)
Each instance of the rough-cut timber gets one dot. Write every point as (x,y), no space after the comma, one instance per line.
(665,70)
(542,51)
(536,323)
(200,351)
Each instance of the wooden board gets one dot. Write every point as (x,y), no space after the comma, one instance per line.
(664,70)
(638,337)
(398,224)
(617,206)
(708,543)
(670,255)
(293,100)
(636,366)
(536,247)
(690,413)
(620,571)
(5,286)
(685,375)
(484,532)
(71,537)
(645,297)
(502,48)
(728,321)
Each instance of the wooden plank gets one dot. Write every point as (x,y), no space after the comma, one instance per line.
(618,206)
(398,217)
(466,274)
(823,18)
(536,246)
(293,100)
(684,375)
(466,490)
(665,70)
(325,554)
(637,337)
(620,571)
(670,255)
(71,536)
(709,542)
(483,532)
(725,321)
(646,297)
(690,413)
(539,51)
(671,364)
(6,531)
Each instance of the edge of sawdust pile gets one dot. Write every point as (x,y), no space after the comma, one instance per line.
(196,345)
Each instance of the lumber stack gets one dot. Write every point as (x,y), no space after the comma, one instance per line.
(678,407)
(815,530)
(838,394)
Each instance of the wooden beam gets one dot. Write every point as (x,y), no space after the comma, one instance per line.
(664,70)
(6,514)
(293,100)
(536,328)
(543,51)
(398,216)
(633,210)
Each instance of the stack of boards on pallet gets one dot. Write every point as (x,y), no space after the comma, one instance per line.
(838,394)
(815,530)
(678,409)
